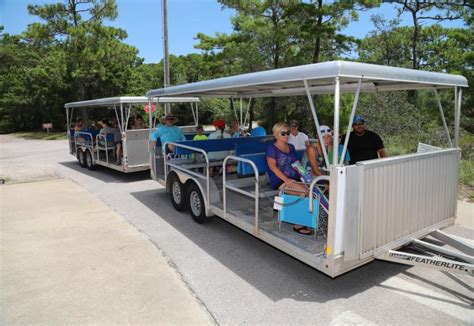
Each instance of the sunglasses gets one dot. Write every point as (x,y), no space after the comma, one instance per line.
(285,133)
(324,131)
(170,118)
(358,124)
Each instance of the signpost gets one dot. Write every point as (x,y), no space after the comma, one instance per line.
(47,126)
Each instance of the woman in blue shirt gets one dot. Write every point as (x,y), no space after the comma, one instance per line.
(280,156)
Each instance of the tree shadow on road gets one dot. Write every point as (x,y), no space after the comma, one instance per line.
(272,272)
(108,175)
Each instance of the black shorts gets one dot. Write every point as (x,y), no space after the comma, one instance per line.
(279,183)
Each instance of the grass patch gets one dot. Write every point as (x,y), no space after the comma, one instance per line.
(41,135)
(466,179)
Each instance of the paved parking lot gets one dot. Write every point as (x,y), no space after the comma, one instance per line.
(241,280)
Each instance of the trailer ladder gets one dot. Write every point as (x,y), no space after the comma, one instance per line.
(447,253)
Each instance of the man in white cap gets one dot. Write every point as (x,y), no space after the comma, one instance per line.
(298,139)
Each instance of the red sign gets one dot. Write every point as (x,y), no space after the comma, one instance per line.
(147,108)
(48,125)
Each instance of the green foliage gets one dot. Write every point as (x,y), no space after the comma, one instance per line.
(42,135)
(71,56)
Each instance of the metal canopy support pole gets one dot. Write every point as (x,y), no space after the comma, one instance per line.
(241,114)
(441,112)
(354,107)
(194,113)
(128,115)
(72,114)
(233,108)
(197,113)
(247,113)
(116,113)
(456,130)
(68,123)
(337,94)
(316,121)
(150,114)
(120,122)
(458,98)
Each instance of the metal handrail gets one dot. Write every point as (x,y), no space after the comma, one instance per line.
(84,133)
(106,148)
(224,184)
(194,149)
(311,189)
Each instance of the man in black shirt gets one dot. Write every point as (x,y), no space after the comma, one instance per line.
(364,144)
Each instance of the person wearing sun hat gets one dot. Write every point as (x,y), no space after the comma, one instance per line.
(167,133)
(364,144)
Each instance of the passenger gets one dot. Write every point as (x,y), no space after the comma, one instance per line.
(199,133)
(167,133)
(234,130)
(105,130)
(258,132)
(117,142)
(280,156)
(297,138)
(95,126)
(314,152)
(364,144)
(139,123)
(79,124)
(218,134)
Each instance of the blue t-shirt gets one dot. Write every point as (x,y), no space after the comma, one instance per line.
(283,162)
(167,134)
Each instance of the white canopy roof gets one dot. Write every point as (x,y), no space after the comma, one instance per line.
(111,101)
(320,77)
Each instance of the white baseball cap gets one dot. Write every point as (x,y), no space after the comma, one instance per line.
(323,129)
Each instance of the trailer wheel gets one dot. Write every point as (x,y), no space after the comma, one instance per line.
(81,158)
(177,193)
(197,205)
(89,161)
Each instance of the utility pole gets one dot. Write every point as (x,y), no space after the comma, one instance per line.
(166,67)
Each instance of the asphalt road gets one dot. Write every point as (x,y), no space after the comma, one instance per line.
(240,279)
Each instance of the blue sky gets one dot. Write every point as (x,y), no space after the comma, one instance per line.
(142,21)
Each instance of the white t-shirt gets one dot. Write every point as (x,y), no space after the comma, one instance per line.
(221,154)
(299,141)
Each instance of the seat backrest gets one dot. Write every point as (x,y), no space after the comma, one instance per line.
(216,145)
(260,160)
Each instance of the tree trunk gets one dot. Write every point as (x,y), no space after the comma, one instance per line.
(317,44)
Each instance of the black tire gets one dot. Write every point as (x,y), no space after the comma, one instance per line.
(89,161)
(81,158)
(196,205)
(177,193)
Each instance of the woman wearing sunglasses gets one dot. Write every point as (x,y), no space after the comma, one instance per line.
(280,156)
